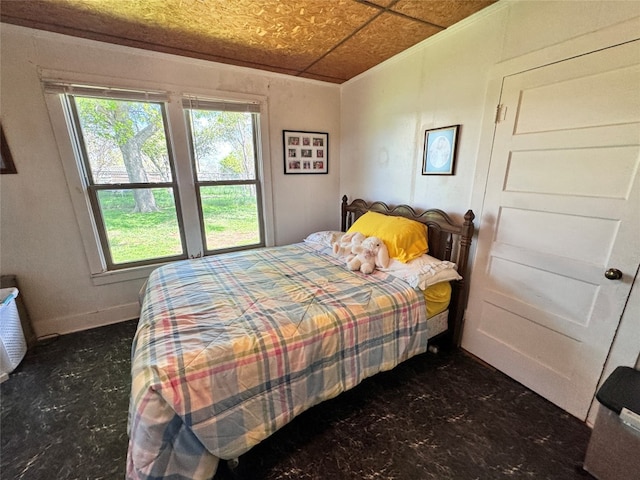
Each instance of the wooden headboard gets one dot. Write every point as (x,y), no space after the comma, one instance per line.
(447,241)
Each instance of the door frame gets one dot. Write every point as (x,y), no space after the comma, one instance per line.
(608,37)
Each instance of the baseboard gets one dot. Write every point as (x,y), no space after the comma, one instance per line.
(86,321)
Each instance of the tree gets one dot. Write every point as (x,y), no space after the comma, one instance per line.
(232,164)
(214,130)
(238,131)
(136,129)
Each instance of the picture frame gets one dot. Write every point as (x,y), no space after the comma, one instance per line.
(305,152)
(440,145)
(6,160)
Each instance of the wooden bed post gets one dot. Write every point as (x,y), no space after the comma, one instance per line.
(461,300)
(343,225)
(465,242)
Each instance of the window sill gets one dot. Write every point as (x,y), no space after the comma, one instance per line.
(124,275)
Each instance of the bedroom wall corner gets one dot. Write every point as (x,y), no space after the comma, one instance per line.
(386,111)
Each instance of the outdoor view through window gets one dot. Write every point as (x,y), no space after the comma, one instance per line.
(225,164)
(129,171)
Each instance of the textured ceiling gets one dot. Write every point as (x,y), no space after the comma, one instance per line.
(329,40)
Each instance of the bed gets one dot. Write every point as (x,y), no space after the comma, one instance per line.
(230,348)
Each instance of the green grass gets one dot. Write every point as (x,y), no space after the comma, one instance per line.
(230,214)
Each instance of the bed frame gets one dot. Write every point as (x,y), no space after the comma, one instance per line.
(447,239)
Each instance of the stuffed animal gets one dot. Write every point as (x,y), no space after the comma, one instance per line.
(371,253)
(343,247)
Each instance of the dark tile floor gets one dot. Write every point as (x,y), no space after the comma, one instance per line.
(64,416)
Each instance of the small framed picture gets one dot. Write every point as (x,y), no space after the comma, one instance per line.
(305,152)
(440,151)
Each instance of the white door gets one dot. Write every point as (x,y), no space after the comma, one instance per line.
(562,206)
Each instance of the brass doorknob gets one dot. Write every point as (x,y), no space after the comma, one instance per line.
(613,274)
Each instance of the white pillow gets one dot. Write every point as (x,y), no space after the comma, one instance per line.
(424,271)
(324,238)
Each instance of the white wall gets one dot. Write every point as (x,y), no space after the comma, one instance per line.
(386,111)
(40,239)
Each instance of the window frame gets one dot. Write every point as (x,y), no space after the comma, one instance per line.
(92,188)
(200,104)
(56,83)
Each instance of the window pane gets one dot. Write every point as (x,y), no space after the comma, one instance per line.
(230,214)
(223,145)
(125,140)
(134,235)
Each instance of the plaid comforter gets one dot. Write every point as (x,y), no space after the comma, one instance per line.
(231,348)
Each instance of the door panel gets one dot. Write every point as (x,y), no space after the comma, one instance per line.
(528,171)
(561,206)
(585,101)
(523,227)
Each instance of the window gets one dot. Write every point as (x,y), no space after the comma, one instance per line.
(129,177)
(223,144)
(144,193)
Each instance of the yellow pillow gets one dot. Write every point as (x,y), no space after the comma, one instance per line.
(405,239)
